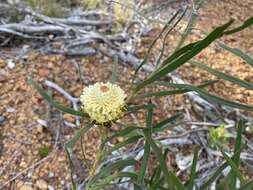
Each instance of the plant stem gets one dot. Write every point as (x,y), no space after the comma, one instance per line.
(103,133)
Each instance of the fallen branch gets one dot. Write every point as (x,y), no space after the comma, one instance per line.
(72,99)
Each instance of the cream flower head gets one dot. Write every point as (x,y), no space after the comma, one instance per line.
(103,102)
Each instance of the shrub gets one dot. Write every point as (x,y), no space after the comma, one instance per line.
(161,177)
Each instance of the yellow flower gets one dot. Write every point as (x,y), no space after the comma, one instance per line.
(103,102)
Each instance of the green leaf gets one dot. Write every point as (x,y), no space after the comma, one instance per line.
(177,62)
(178,53)
(214,176)
(107,170)
(191,23)
(233,166)
(172,180)
(160,93)
(218,172)
(246,57)
(134,108)
(238,143)
(68,147)
(210,97)
(190,183)
(247,186)
(144,163)
(121,133)
(172,92)
(166,36)
(155,40)
(122,144)
(231,177)
(221,75)
(44,151)
(54,103)
(222,185)
(77,136)
(133,177)
(114,69)
(106,181)
(165,123)
(156,177)
(246,24)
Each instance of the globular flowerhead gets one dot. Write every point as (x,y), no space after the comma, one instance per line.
(103,102)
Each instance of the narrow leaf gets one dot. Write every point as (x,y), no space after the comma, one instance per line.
(170,177)
(247,186)
(221,75)
(121,133)
(68,147)
(246,57)
(54,103)
(190,185)
(77,136)
(166,36)
(246,24)
(171,66)
(164,124)
(172,92)
(134,108)
(106,181)
(144,163)
(155,40)
(191,22)
(210,97)
(231,177)
(114,69)
(107,170)
(218,172)
(122,144)
(233,166)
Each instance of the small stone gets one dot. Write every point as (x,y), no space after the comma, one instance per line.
(10,110)
(2,119)
(30,174)
(11,64)
(3,72)
(42,122)
(50,174)
(51,37)
(61,159)
(41,184)
(44,72)
(22,164)
(26,187)
(50,188)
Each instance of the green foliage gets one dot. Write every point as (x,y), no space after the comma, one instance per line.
(44,151)
(90,4)
(54,103)
(49,7)
(161,176)
(218,136)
